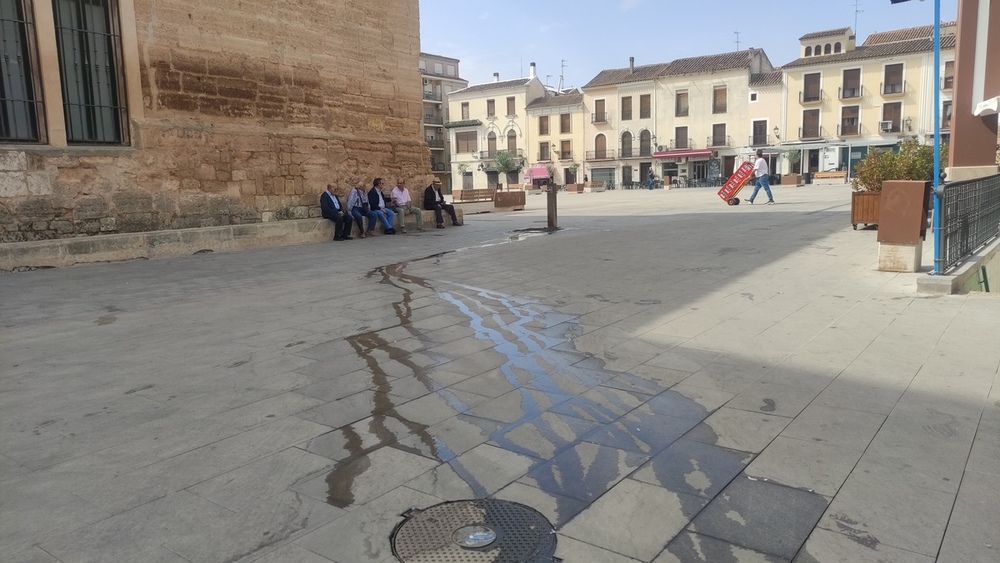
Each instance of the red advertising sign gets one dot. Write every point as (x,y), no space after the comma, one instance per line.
(736,181)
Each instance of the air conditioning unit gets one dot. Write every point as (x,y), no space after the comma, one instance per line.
(660,148)
(885,126)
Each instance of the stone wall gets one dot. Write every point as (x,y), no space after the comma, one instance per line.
(249,108)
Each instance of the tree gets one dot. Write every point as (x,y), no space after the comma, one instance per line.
(505,163)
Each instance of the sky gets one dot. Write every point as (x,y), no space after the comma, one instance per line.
(594,35)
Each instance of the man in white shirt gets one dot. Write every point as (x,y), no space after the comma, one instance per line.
(760,170)
(401,203)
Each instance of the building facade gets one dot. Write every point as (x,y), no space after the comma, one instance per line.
(440,77)
(555,137)
(135,115)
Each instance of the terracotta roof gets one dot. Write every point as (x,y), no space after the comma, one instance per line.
(575,98)
(910,33)
(487,86)
(625,75)
(878,51)
(827,33)
(774,78)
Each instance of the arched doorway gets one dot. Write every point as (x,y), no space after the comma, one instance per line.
(600,146)
(626,145)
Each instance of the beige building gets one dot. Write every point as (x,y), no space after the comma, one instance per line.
(689,119)
(440,77)
(199,114)
(555,134)
(843,98)
(485,119)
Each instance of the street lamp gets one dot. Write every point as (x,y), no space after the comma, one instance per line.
(776,131)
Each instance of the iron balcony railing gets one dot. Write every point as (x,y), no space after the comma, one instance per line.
(599,117)
(970,219)
(676,144)
(432,96)
(850,93)
(626,115)
(439,167)
(607,154)
(810,97)
(563,155)
(891,89)
(435,143)
(761,140)
(848,129)
(544,157)
(807,133)
(719,141)
(433,120)
(628,152)
(490,155)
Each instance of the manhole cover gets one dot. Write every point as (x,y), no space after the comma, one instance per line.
(473,531)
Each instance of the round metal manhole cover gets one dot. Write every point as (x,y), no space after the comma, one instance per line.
(474,531)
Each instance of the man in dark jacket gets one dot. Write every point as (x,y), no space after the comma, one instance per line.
(434,201)
(376,200)
(333,210)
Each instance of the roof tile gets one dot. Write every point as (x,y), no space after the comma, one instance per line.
(877,51)
(827,33)
(487,86)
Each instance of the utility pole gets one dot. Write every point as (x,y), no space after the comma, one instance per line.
(737,40)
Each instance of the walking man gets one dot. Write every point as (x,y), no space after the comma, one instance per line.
(761,171)
(400,200)
(434,201)
(333,210)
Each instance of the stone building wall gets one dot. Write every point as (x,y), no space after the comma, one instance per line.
(249,108)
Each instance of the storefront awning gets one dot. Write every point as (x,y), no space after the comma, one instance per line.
(536,172)
(683,153)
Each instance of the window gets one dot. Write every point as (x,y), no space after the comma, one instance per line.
(18,102)
(511,110)
(759,138)
(719,99)
(948,77)
(849,121)
(491,108)
(512,142)
(626,108)
(465,111)
(423,64)
(681,104)
(466,142)
(809,51)
(438,68)
(753,96)
(680,137)
(827,49)
(810,124)
(719,137)
(491,145)
(644,106)
(817,50)
(946,115)
(543,151)
(543,125)
(892,116)
(451,70)
(851,87)
(564,123)
(565,150)
(467,181)
(837,47)
(645,143)
(626,145)
(893,79)
(600,116)
(811,91)
(600,147)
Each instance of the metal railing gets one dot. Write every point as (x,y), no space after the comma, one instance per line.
(599,117)
(760,140)
(435,143)
(720,141)
(490,155)
(810,97)
(607,154)
(433,120)
(439,167)
(848,129)
(676,144)
(892,89)
(628,152)
(433,96)
(970,218)
(809,133)
(850,93)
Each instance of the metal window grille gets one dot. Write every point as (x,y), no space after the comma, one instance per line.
(88,39)
(19,106)
(970,218)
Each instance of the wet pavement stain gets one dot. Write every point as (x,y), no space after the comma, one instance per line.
(768,405)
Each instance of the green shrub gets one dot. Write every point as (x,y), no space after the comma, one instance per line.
(914,161)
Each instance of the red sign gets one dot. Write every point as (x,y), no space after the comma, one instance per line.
(735,182)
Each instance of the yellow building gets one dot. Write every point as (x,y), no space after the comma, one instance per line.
(486,119)
(842,99)
(555,130)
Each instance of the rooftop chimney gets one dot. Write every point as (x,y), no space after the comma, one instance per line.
(631,65)
(531,70)
(496,77)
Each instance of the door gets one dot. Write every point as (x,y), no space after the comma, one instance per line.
(606,175)
(600,147)
(491,144)
(644,168)
(728,166)
(492,180)
(626,175)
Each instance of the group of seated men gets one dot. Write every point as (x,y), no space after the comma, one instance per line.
(376,206)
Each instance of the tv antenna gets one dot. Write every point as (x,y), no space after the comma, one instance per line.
(737,40)
(857,10)
(562,74)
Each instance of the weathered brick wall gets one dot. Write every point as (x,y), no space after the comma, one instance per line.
(250,107)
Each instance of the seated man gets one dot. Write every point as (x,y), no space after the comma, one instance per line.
(335,211)
(377,203)
(401,203)
(357,202)
(434,201)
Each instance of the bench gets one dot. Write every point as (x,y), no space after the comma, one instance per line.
(830,177)
(474,196)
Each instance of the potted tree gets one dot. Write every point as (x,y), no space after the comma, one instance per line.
(575,187)
(792,178)
(913,162)
(505,163)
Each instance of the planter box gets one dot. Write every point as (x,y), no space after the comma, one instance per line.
(791,180)
(907,204)
(574,188)
(509,201)
(864,208)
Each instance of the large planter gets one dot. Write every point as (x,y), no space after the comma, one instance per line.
(791,180)
(509,201)
(865,208)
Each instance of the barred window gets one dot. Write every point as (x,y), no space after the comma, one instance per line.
(19,104)
(88,42)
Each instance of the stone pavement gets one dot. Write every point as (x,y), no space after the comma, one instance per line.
(666,379)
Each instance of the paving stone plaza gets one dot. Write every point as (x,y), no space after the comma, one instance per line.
(665,379)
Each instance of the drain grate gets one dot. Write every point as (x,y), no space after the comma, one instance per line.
(474,531)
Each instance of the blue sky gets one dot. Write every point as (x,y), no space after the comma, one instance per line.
(593,35)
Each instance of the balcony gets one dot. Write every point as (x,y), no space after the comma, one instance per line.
(848,129)
(721,141)
(893,89)
(761,140)
(432,96)
(490,155)
(811,97)
(439,167)
(606,154)
(676,144)
(644,114)
(628,152)
(810,133)
(433,120)
(435,144)
(563,155)
(626,115)
(599,117)
(544,157)
(850,93)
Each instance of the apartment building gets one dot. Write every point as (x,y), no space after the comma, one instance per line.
(440,76)
(555,130)
(689,119)
(842,98)
(485,119)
